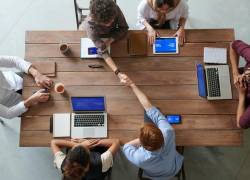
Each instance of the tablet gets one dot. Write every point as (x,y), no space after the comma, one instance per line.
(166,45)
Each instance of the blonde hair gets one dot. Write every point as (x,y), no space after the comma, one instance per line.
(161,17)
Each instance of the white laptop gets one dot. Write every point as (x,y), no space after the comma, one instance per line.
(88,120)
(166,45)
(218,82)
(88,48)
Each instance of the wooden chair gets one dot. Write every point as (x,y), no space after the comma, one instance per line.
(180,175)
(81,13)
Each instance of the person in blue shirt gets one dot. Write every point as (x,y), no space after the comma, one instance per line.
(155,150)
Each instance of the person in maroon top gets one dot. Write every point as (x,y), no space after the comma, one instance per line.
(241,81)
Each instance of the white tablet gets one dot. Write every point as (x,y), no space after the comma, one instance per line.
(166,45)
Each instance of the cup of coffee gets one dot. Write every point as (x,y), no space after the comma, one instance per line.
(59,88)
(64,48)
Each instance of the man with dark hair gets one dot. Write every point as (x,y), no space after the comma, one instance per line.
(154,151)
(105,21)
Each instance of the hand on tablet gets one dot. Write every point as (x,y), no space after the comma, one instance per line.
(181,36)
(151,36)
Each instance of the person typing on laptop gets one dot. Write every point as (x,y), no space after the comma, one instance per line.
(11,102)
(154,151)
(241,81)
(105,20)
(87,159)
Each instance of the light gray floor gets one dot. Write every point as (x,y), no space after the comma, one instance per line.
(17,16)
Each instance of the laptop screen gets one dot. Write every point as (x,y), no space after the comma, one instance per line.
(88,103)
(166,45)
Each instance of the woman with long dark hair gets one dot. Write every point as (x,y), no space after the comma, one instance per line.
(86,159)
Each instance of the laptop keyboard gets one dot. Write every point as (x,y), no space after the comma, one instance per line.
(85,120)
(213,82)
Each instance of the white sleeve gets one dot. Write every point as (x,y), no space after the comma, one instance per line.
(141,14)
(14,62)
(107,160)
(14,111)
(58,159)
(185,10)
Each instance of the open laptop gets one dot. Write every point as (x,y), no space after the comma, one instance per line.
(88,48)
(89,117)
(214,81)
(166,45)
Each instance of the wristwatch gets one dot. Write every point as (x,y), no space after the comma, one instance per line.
(117,71)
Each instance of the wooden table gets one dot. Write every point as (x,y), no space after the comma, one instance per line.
(169,81)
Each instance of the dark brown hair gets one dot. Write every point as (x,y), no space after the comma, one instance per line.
(151,137)
(77,160)
(102,10)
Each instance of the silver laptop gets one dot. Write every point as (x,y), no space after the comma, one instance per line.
(89,117)
(218,82)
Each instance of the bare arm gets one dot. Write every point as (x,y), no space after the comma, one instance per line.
(112,144)
(240,109)
(234,58)
(58,144)
(111,63)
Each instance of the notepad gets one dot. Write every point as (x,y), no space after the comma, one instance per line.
(61,125)
(215,55)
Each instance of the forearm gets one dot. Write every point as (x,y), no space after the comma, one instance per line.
(111,63)
(182,22)
(241,108)
(112,144)
(58,144)
(234,58)
(141,97)
(11,112)
(147,25)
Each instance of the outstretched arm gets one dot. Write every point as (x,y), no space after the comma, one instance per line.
(139,94)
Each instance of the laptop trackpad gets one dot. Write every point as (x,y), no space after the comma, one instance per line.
(89,132)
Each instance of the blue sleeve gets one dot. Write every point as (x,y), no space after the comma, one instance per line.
(158,118)
(131,154)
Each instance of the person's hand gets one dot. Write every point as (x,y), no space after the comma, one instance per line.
(90,143)
(151,36)
(126,80)
(36,98)
(238,78)
(241,87)
(77,140)
(180,33)
(43,81)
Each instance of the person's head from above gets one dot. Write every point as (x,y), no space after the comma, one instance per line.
(163,6)
(151,137)
(103,12)
(76,163)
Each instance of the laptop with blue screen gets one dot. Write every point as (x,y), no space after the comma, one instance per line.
(89,117)
(166,45)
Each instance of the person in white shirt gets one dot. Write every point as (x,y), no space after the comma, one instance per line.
(11,102)
(162,14)
(86,159)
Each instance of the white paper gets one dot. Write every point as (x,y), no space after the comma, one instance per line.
(61,125)
(215,55)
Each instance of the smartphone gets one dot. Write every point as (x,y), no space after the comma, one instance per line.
(173,118)
(92,50)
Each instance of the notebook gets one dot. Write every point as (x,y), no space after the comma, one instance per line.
(215,55)
(61,125)
(137,44)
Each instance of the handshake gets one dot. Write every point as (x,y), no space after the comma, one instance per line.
(124,79)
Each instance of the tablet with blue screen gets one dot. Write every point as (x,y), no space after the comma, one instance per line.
(166,45)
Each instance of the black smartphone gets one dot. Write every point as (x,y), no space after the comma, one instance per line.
(173,118)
